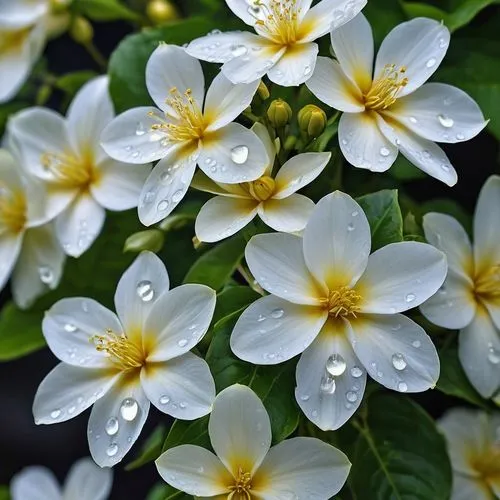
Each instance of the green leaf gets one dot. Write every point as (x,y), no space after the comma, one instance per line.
(215,267)
(384,215)
(166,492)
(72,82)
(105,10)
(399,453)
(384,15)
(275,385)
(404,170)
(4,493)
(127,65)
(450,207)
(150,449)
(232,299)
(188,432)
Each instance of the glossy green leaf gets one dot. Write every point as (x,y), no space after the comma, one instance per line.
(383,15)
(166,492)
(384,215)
(128,62)
(404,170)
(150,449)
(72,82)
(399,454)
(188,432)
(105,10)
(232,299)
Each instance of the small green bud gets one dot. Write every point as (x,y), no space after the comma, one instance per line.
(161,11)
(152,240)
(279,113)
(58,6)
(81,30)
(312,121)
(263,91)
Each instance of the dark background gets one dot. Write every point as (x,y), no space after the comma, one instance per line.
(58,447)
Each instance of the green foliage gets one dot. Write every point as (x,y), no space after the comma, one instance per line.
(188,432)
(105,10)
(150,449)
(166,492)
(4,493)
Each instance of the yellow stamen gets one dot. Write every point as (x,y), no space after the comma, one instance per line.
(240,490)
(122,352)
(488,283)
(261,189)
(13,40)
(488,464)
(343,301)
(68,170)
(386,88)
(12,210)
(278,19)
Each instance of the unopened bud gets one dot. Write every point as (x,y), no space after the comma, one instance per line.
(161,11)
(81,30)
(279,113)
(151,240)
(263,91)
(312,120)
(262,189)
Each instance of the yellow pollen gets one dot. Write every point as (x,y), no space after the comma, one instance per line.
(488,283)
(68,170)
(343,301)
(488,464)
(122,352)
(261,189)
(240,490)
(278,20)
(13,40)
(12,210)
(386,88)
(187,123)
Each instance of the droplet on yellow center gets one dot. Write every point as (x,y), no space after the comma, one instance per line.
(124,353)
(487,284)
(262,189)
(13,210)
(343,301)
(386,88)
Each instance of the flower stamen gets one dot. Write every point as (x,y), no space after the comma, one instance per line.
(278,20)
(386,88)
(488,283)
(240,490)
(343,301)
(124,353)
(12,210)
(261,189)
(69,170)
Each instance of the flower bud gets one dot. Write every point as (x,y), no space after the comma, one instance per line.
(262,189)
(161,11)
(279,113)
(81,30)
(263,91)
(312,120)
(151,240)
(58,6)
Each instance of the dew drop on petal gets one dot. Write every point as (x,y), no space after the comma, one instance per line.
(182,343)
(385,151)
(351,396)
(112,426)
(238,50)
(413,119)
(129,409)
(399,361)
(112,450)
(164,399)
(356,371)
(305,397)
(416,344)
(335,365)
(140,129)
(327,384)
(69,327)
(402,387)
(350,227)
(460,137)
(46,274)
(446,121)
(55,414)
(493,355)
(145,290)
(277,313)
(239,154)
(177,196)
(410,297)
(431,62)
(163,205)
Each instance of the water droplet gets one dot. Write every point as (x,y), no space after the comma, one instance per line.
(442,43)
(164,399)
(460,137)
(135,154)
(201,469)
(46,274)
(350,227)
(129,409)
(410,297)
(163,205)
(183,405)
(416,344)
(112,426)
(55,414)
(336,365)
(493,355)
(307,70)
(238,50)
(446,121)
(182,343)
(356,371)
(355,213)
(277,313)
(261,318)
(239,154)
(399,361)
(314,413)
(385,151)
(305,397)
(145,290)
(327,384)
(402,387)
(112,450)
(70,328)
(177,196)
(413,119)
(426,154)
(140,129)
(431,62)
(351,396)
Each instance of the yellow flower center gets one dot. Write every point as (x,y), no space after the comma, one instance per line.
(488,283)
(188,122)
(342,301)
(120,349)
(385,89)
(13,40)
(277,20)
(70,171)
(240,490)
(261,189)
(488,464)
(12,210)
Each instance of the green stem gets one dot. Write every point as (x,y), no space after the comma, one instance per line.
(250,280)
(96,55)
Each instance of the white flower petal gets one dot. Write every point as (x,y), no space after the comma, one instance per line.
(440,113)
(242,8)
(272,330)
(35,483)
(202,182)
(295,66)
(70,324)
(182,387)
(331,86)
(466,488)
(10,171)
(233,154)
(67,391)
(138,289)
(10,248)
(363,144)
(116,421)
(419,46)
(119,184)
(130,137)
(479,353)
(424,154)
(226,101)
(298,172)
(304,467)
(87,481)
(222,217)
(194,470)
(90,111)
(239,429)
(486,232)
(396,352)
(80,224)
(262,133)
(353,46)
(289,215)
(170,67)
(337,241)
(453,306)
(165,187)
(329,401)
(178,320)
(39,267)
(277,262)
(401,276)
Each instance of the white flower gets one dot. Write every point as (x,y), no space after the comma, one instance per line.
(29,250)
(82,181)
(470,297)
(121,363)
(246,466)
(273,198)
(283,47)
(473,439)
(86,481)
(392,111)
(340,306)
(183,133)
